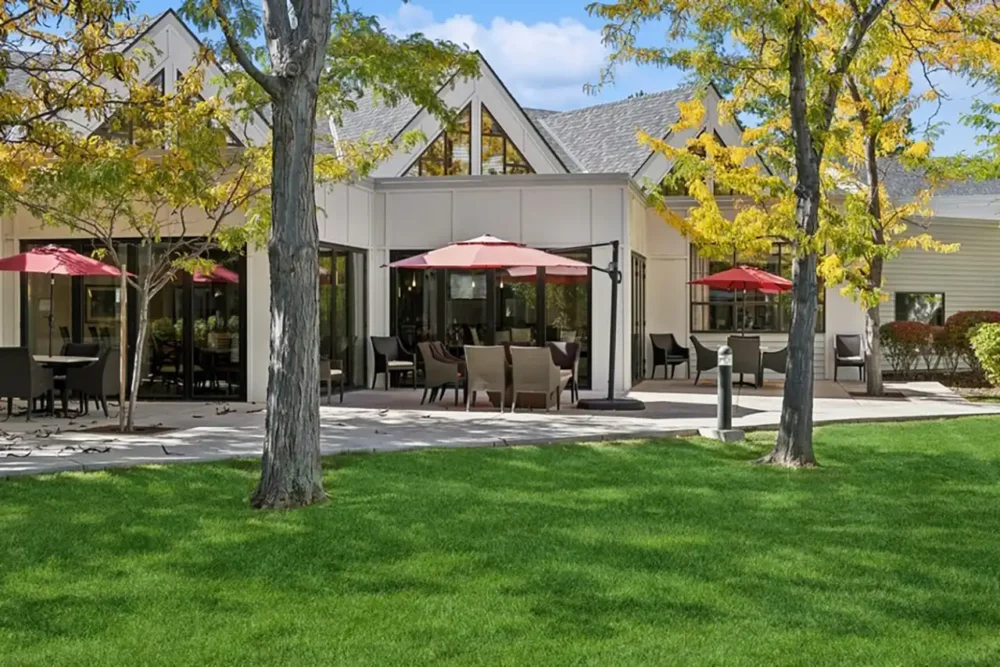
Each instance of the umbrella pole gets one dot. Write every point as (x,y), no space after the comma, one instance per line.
(123,347)
(52,283)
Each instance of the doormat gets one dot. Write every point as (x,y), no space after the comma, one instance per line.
(112,429)
(892,394)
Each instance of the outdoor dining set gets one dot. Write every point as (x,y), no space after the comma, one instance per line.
(509,374)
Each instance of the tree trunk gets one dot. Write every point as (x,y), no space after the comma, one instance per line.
(291,474)
(142,306)
(873,346)
(793,446)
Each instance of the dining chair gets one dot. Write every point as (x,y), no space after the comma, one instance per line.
(25,378)
(705,358)
(534,372)
(746,357)
(668,352)
(486,370)
(849,354)
(390,357)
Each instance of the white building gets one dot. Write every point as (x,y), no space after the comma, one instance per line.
(554,180)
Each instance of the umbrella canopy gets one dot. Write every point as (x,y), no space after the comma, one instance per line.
(747,279)
(560,275)
(486,252)
(218,274)
(55,260)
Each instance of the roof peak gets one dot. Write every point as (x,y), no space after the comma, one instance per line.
(632,98)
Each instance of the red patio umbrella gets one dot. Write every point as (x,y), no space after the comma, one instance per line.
(56,261)
(561,275)
(746,278)
(218,274)
(486,252)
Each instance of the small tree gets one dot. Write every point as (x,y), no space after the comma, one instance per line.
(177,186)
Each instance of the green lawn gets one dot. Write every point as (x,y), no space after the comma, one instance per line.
(667,552)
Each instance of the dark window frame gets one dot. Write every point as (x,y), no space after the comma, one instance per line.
(522,167)
(189,392)
(442,281)
(939,317)
(447,156)
(737,303)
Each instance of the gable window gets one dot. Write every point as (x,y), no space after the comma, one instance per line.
(231,139)
(499,154)
(450,153)
(121,126)
(675,187)
(926,307)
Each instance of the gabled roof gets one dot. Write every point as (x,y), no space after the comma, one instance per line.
(601,138)
(903,184)
(373,117)
(596,139)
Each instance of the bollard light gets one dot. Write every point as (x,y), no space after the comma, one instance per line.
(724,416)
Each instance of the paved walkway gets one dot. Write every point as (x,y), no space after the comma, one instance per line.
(379,421)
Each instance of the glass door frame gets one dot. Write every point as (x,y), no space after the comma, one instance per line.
(334,250)
(492,284)
(638,317)
(132,316)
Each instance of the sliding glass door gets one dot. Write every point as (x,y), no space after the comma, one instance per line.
(196,342)
(491,307)
(342,307)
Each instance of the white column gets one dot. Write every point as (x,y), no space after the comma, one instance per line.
(258,324)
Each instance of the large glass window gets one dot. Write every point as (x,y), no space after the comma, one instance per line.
(491,307)
(342,325)
(195,345)
(217,308)
(716,310)
(450,153)
(923,307)
(499,154)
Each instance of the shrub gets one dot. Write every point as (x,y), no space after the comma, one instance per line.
(947,349)
(903,344)
(985,341)
(960,325)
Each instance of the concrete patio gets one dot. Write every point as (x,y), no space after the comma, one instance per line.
(378,421)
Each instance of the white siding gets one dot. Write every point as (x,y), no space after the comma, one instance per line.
(969,279)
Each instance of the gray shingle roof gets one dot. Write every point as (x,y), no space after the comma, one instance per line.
(597,139)
(602,137)
(537,117)
(902,184)
(376,118)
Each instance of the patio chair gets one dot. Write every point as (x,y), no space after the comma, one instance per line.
(746,357)
(440,372)
(23,377)
(96,380)
(775,361)
(486,370)
(390,357)
(566,357)
(705,358)
(849,354)
(668,352)
(65,334)
(534,372)
(330,372)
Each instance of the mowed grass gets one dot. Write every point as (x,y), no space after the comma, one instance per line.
(667,552)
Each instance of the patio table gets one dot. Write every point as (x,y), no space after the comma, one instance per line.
(62,362)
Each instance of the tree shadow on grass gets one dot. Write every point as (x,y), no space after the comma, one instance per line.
(578,542)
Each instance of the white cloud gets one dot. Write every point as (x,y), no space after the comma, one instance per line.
(544,64)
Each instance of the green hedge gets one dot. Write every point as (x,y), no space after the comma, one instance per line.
(985,341)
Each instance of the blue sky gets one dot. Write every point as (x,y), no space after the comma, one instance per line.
(546,50)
